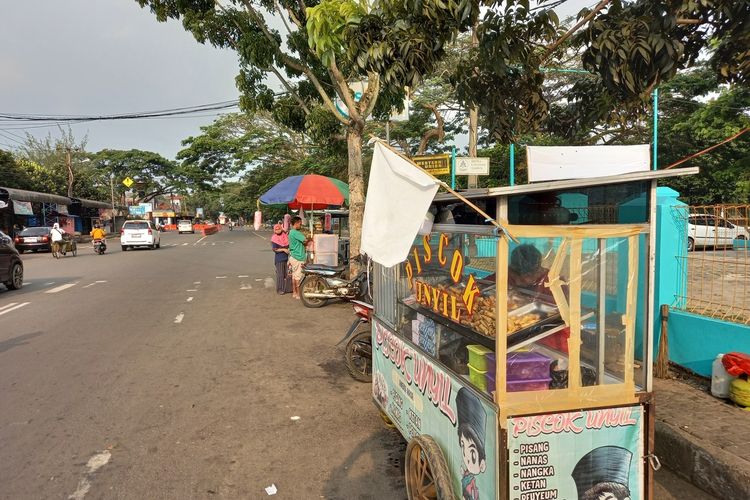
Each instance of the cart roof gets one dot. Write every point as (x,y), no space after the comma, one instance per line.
(538,187)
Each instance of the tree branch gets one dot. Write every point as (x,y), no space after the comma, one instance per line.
(370,99)
(437,132)
(551,48)
(343,91)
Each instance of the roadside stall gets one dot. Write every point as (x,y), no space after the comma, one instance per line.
(516,357)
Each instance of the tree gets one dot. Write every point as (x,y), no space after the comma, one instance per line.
(12,174)
(325,46)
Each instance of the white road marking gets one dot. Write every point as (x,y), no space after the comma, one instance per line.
(246,286)
(196,282)
(189,299)
(259,236)
(192,290)
(26,283)
(220,277)
(95,463)
(50,283)
(61,287)
(213,244)
(269,283)
(184,244)
(243,276)
(258,279)
(199,240)
(12,307)
(95,282)
(178,318)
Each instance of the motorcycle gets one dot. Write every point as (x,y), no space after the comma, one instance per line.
(100,246)
(359,343)
(322,283)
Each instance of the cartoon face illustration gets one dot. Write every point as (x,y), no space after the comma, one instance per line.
(380,388)
(473,455)
(471,428)
(602,474)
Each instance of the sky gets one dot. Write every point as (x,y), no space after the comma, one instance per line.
(102,57)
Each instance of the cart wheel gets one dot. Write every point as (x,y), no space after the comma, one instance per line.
(359,354)
(312,284)
(386,419)
(425,470)
(74,249)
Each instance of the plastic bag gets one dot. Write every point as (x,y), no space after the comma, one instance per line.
(736,363)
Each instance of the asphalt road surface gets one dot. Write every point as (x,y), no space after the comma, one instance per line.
(178,373)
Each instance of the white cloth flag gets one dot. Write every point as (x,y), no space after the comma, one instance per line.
(551,163)
(398,197)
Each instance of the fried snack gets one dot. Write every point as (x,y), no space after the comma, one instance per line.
(516,323)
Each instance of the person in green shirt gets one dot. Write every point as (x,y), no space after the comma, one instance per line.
(297,254)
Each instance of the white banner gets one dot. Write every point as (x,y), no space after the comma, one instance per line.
(552,163)
(398,197)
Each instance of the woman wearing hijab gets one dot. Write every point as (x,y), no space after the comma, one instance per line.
(280,246)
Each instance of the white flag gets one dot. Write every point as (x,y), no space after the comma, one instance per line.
(398,197)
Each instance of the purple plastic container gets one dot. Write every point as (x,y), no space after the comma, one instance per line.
(524,366)
(490,363)
(541,384)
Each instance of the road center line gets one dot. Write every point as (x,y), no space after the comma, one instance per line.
(179,317)
(189,299)
(243,276)
(12,307)
(220,277)
(199,240)
(61,288)
(196,282)
(192,290)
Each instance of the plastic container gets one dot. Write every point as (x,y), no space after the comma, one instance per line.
(478,378)
(326,243)
(478,356)
(528,366)
(739,392)
(541,384)
(327,259)
(720,379)
(490,376)
(491,365)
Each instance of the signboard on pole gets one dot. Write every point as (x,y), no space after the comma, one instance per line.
(472,166)
(137,210)
(127,181)
(434,164)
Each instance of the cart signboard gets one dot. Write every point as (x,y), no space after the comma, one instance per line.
(423,398)
(565,455)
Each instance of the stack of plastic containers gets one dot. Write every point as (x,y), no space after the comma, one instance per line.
(526,371)
(326,249)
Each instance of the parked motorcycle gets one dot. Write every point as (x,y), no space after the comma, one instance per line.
(100,246)
(322,283)
(359,343)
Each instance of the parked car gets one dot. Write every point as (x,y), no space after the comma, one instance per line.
(139,233)
(11,266)
(705,230)
(34,239)
(185,226)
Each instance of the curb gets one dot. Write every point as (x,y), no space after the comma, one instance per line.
(706,466)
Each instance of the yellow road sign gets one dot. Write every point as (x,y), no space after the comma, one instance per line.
(434,164)
(128,181)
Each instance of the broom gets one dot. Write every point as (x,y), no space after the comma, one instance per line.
(661,370)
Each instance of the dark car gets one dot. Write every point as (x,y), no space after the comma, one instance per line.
(11,267)
(34,238)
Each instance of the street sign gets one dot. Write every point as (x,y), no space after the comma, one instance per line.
(137,210)
(128,181)
(434,164)
(472,166)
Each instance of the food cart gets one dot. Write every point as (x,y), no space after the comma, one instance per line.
(517,364)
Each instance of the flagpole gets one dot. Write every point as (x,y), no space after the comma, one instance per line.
(481,212)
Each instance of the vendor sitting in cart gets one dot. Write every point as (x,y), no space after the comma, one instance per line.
(525,270)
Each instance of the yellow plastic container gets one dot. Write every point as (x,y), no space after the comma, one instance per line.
(478,356)
(478,378)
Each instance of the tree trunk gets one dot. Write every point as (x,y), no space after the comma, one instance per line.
(356,191)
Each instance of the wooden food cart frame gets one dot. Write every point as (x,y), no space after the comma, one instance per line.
(622,395)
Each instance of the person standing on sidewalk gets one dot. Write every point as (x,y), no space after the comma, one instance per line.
(297,254)
(280,246)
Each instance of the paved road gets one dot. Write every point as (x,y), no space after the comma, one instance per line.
(179,373)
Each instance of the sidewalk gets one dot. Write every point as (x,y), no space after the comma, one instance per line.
(703,439)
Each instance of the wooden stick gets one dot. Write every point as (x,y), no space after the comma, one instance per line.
(453,192)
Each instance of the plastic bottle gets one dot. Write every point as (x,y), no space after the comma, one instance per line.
(720,379)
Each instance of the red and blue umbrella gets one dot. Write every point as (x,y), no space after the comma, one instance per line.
(307,191)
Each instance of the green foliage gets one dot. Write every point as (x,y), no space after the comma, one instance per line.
(326,23)
(12,174)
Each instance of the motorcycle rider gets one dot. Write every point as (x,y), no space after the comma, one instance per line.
(98,234)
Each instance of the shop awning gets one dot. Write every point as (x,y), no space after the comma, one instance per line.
(23,195)
(91,203)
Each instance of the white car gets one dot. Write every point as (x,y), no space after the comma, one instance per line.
(185,226)
(139,233)
(706,230)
